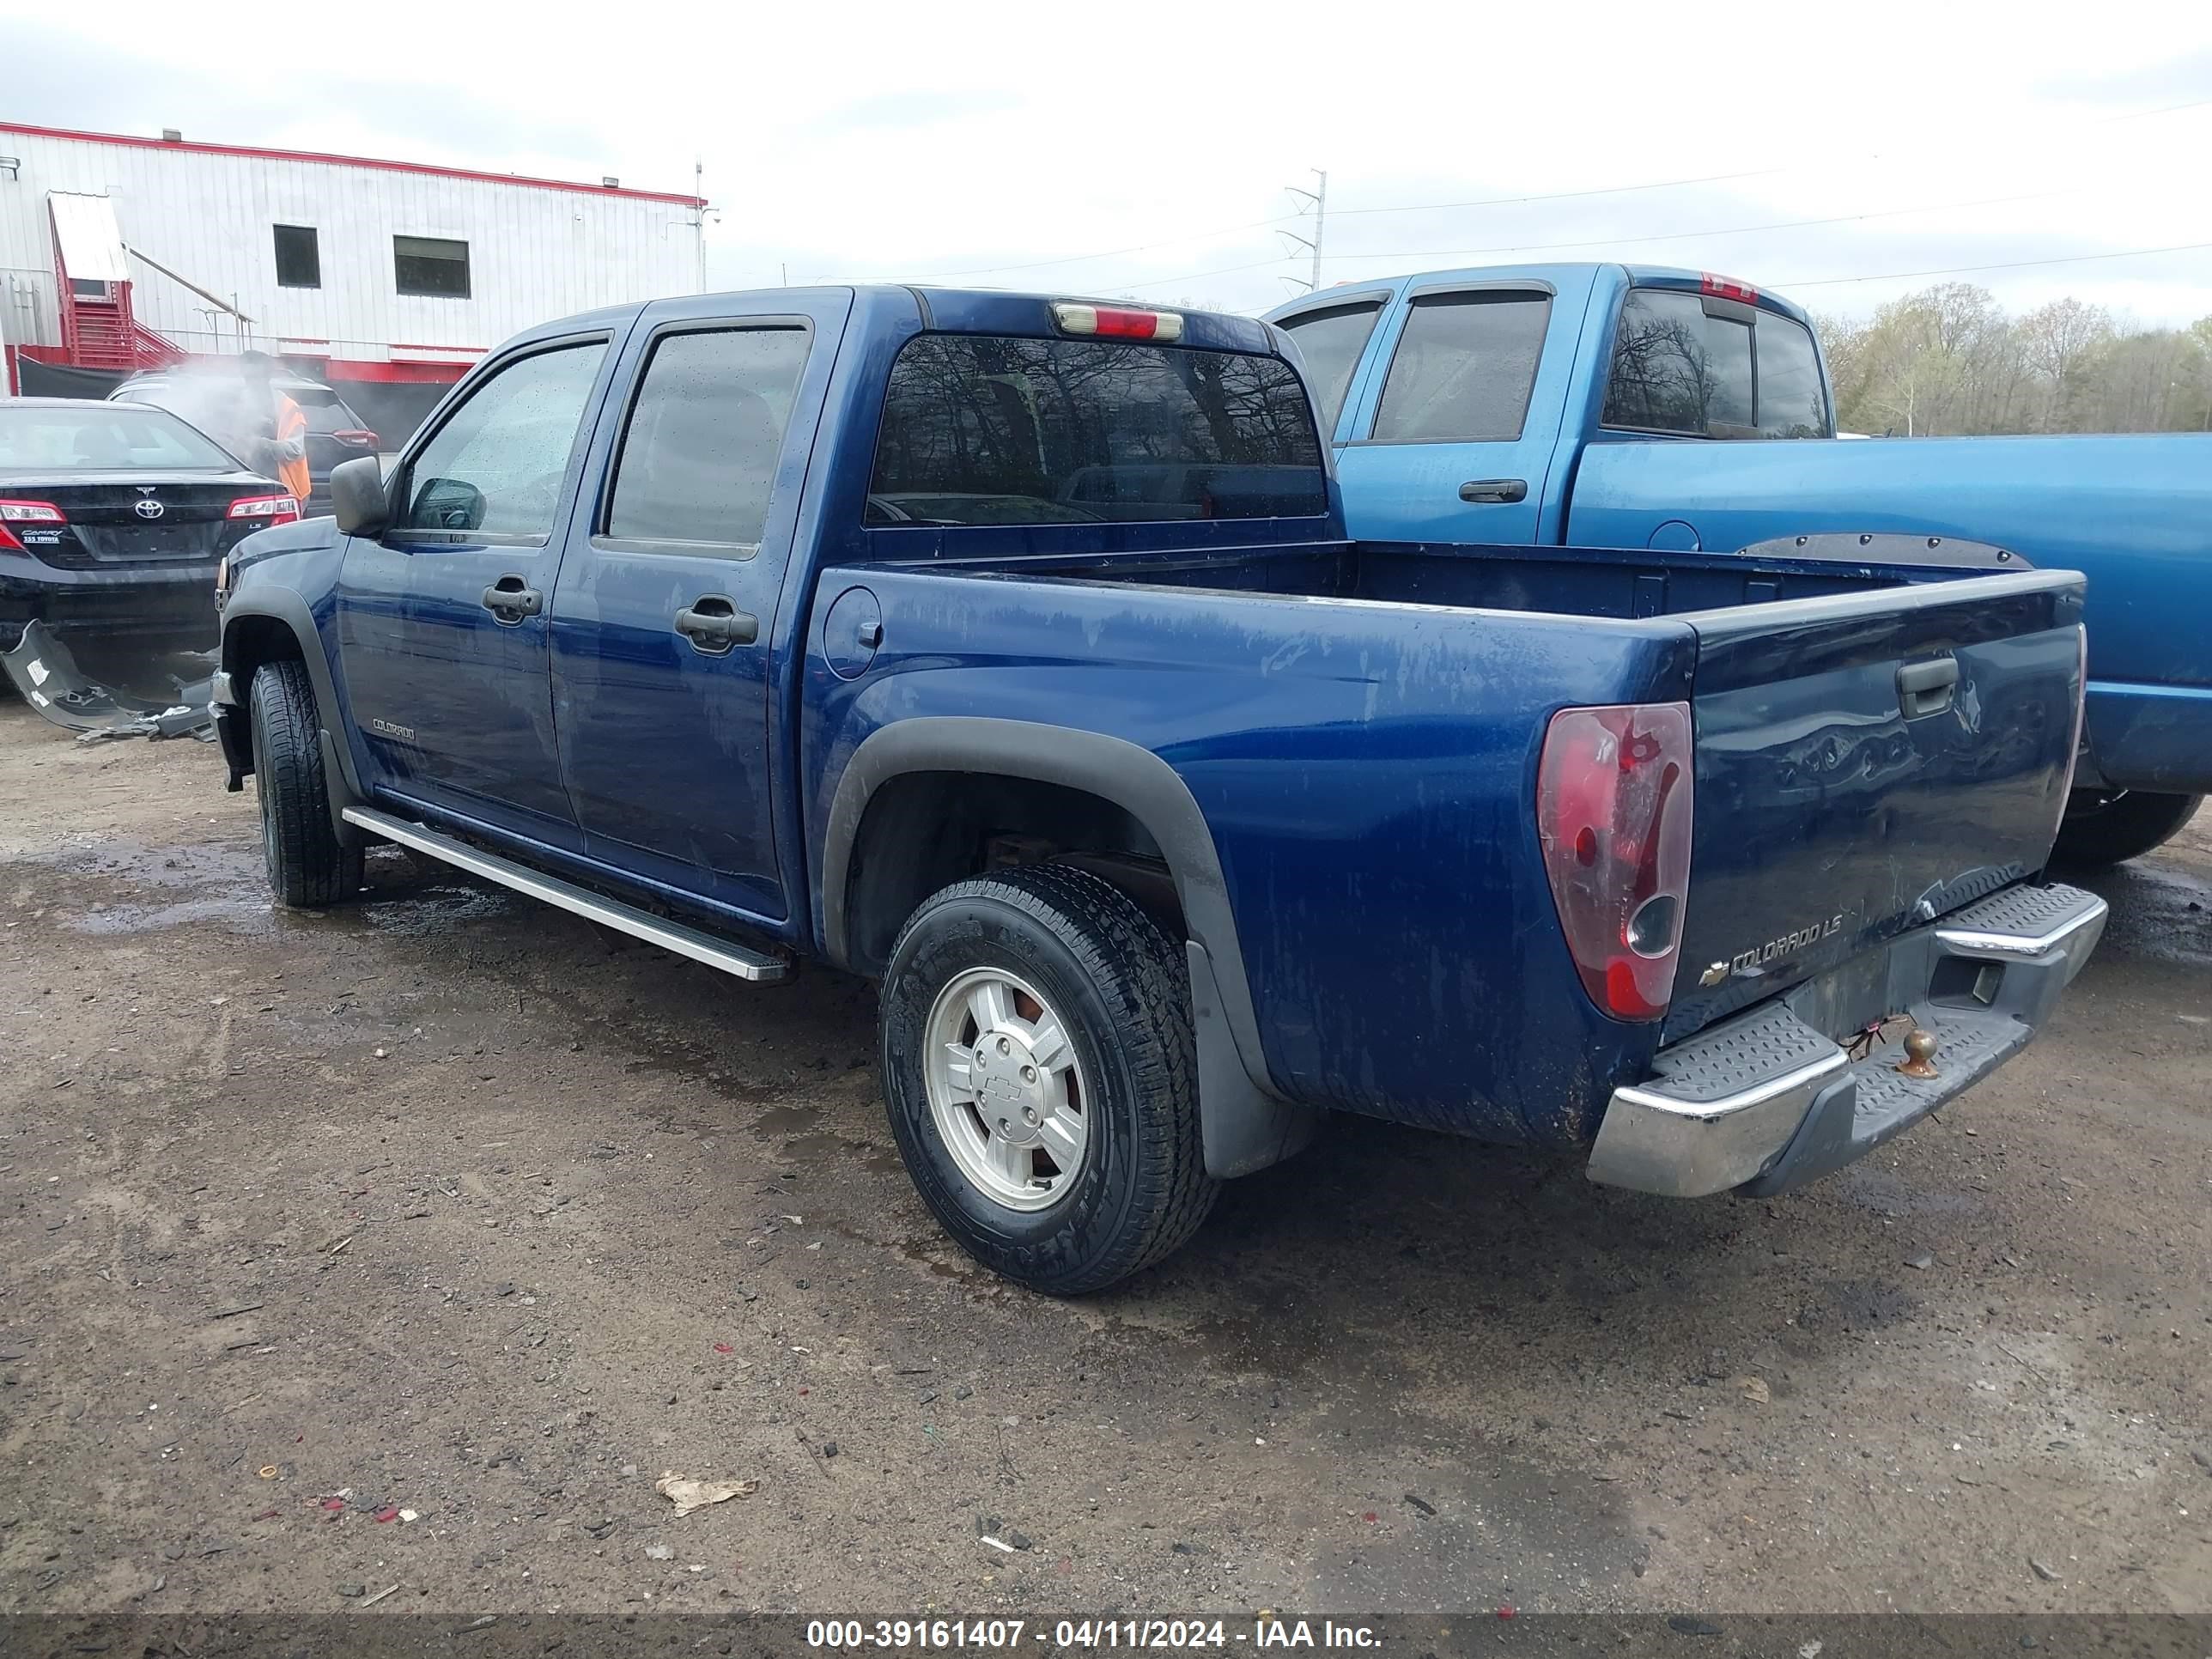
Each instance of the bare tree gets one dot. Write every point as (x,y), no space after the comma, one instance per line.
(1948,360)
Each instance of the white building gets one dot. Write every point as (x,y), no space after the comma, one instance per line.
(120,252)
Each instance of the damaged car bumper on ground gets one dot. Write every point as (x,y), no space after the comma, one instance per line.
(46,673)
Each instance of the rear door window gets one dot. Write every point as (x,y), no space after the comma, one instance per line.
(1677,369)
(1792,403)
(1331,343)
(1464,369)
(699,457)
(985,430)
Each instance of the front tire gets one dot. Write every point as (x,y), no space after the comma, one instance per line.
(1041,1074)
(308,867)
(2101,827)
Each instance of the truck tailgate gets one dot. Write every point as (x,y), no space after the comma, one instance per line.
(1866,763)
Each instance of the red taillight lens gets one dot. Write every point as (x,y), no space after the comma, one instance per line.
(277,509)
(1613,795)
(1116,322)
(13,513)
(1727,288)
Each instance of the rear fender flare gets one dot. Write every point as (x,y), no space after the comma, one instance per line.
(1247,1125)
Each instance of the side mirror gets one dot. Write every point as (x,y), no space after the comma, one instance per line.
(358,498)
(448,504)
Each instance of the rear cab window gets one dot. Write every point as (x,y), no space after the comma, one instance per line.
(991,429)
(1697,365)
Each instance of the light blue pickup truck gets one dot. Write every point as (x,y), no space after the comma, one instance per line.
(1605,405)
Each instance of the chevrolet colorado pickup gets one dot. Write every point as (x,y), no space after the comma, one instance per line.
(1012,651)
(1604,405)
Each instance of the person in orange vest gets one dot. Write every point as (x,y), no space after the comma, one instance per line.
(283,426)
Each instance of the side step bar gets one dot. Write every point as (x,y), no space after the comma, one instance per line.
(731,959)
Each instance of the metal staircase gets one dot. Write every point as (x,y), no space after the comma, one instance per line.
(98,328)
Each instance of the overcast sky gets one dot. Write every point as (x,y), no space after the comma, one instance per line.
(993,144)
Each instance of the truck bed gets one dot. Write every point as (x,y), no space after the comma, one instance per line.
(1361,725)
(1564,581)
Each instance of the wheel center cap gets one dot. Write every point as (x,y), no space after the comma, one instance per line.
(1009,1088)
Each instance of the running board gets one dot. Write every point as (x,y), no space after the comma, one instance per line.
(731,959)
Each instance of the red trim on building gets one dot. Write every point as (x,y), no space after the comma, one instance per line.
(362,368)
(252,151)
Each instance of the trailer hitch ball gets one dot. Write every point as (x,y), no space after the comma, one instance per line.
(1919,1054)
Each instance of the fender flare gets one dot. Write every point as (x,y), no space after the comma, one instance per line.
(1247,1125)
(341,782)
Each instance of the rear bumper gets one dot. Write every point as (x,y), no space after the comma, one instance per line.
(1765,1102)
(176,601)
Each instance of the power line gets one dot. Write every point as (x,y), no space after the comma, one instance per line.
(1108,253)
(1627,241)
(1571,195)
(2002,264)
(1729,230)
(1497,201)
(1711,178)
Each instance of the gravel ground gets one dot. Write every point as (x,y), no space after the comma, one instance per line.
(456,1209)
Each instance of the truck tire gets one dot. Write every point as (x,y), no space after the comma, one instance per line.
(308,868)
(2102,827)
(1041,1074)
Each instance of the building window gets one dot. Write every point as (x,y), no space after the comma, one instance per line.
(299,261)
(429,264)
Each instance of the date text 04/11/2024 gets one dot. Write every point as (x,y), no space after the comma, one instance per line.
(1086,1634)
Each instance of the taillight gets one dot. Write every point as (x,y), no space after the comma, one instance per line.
(1116,322)
(277,509)
(25,513)
(1614,794)
(1727,288)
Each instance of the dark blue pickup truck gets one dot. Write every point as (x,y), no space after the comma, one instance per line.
(1012,651)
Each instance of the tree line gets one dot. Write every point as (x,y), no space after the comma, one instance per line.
(1949,360)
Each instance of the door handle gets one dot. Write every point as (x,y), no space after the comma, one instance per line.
(1926,687)
(1495,491)
(511,599)
(713,624)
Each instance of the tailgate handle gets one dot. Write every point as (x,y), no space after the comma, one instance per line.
(1925,688)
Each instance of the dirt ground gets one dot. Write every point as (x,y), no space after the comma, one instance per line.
(461,1207)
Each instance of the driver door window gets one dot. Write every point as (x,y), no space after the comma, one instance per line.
(493,472)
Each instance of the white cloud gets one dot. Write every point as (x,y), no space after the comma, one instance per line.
(875,140)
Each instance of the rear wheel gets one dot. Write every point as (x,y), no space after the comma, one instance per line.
(2111,826)
(308,868)
(1041,1075)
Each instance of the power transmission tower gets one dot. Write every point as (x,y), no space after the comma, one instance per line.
(1319,200)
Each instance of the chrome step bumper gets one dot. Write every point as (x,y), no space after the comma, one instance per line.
(1766,1102)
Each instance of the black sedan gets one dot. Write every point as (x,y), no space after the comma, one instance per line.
(113,517)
